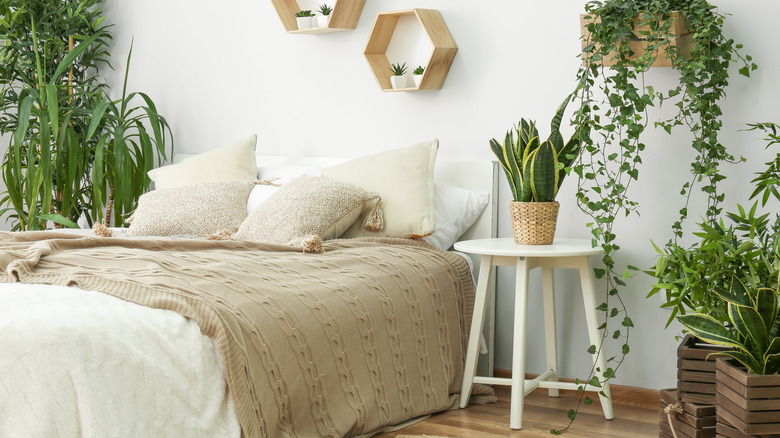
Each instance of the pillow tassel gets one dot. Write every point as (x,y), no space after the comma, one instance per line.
(374,221)
(312,244)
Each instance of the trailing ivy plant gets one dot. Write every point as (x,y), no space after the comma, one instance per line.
(613,116)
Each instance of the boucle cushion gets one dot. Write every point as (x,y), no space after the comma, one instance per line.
(404,180)
(306,205)
(197,210)
(233,162)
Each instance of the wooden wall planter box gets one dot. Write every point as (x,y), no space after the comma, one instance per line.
(696,421)
(683,39)
(748,402)
(695,372)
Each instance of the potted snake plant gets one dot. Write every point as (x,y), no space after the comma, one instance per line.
(535,170)
(747,385)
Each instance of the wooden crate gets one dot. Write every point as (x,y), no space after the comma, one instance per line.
(683,39)
(696,421)
(725,430)
(748,402)
(696,370)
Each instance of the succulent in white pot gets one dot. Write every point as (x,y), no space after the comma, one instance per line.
(324,18)
(304,19)
(417,74)
(398,80)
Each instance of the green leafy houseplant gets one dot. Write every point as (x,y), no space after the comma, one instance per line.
(419,70)
(302,13)
(398,69)
(613,115)
(536,169)
(325,9)
(745,245)
(753,331)
(49,96)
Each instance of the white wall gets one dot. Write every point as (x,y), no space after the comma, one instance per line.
(222,70)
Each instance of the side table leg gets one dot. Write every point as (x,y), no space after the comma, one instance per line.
(548,288)
(518,345)
(589,299)
(477,319)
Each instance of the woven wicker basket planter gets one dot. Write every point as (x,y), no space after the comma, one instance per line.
(533,223)
(749,402)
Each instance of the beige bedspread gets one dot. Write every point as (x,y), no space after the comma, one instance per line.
(369,334)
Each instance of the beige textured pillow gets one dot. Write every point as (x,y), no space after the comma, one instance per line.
(234,162)
(197,210)
(306,205)
(404,180)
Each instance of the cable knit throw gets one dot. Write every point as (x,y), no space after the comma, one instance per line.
(368,334)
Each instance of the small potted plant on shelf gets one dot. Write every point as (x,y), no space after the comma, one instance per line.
(535,170)
(304,19)
(418,72)
(324,18)
(397,80)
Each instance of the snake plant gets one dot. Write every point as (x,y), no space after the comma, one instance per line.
(535,169)
(754,327)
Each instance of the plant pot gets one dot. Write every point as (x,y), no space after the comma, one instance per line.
(683,39)
(696,370)
(417,80)
(323,20)
(533,223)
(695,420)
(748,402)
(398,82)
(303,22)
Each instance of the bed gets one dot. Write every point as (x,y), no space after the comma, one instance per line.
(360,339)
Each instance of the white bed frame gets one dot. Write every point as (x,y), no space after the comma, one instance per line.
(476,175)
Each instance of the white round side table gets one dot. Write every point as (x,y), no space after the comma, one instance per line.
(563,253)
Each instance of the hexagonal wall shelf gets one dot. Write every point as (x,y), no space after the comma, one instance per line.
(345,16)
(444,48)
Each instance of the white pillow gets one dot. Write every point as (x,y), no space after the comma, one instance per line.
(403,178)
(456,211)
(280,176)
(234,162)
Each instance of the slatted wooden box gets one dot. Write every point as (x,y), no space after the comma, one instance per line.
(696,421)
(748,402)
(683,39)
(696,370)
(725,430)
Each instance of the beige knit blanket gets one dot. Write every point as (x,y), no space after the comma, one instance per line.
(369,334)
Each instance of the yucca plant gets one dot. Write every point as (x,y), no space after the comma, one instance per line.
(535,169)
(753,331)
(398,69)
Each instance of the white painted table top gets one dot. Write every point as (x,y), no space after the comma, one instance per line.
(561,247)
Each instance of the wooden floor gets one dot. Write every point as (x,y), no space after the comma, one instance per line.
(542,413)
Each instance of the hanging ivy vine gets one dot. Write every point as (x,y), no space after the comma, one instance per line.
(613,115)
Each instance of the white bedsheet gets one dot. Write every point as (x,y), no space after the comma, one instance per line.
(77,363)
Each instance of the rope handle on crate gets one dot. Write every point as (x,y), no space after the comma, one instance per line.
(673,409)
